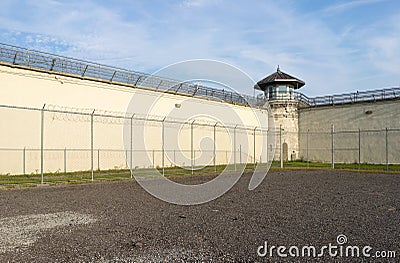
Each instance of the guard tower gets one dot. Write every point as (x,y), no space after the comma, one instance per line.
(279,89)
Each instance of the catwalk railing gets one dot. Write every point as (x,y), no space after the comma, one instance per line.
(346,98)
(18,56)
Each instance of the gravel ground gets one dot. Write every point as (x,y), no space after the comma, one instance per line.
(120,222)
(18,232)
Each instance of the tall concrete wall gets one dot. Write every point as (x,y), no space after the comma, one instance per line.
(20,128)
(371,118)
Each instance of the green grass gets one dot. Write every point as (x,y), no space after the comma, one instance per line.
(63,177)
(86,176)
(9,181)
(344,166)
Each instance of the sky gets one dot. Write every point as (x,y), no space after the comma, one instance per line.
(334,46)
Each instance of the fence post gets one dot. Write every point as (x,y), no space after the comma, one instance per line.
(308,161)
(24,160)
(191,145)
(215,150)
(98,160)
(41,144)
(126,153)
(65,160)
(266,145)
(131,142)
(254,147)
(359,148)
(387,150)
(333,146)
(175,158)
(280,145)
(163,146)
(91,144)
(154,165)
(240,153)
(234,146)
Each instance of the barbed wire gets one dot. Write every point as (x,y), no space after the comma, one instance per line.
(67,113)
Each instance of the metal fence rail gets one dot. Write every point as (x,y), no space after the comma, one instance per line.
(18,56)
(354,97)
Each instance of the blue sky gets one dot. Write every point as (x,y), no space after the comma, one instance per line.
(334,46)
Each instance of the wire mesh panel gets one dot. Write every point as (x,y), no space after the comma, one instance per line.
(109,155)
(177,144)
(315,146)
(346,146)
(203,145)
(67,140)
(393,142)
(107,160)
(19,130)
(17,159)
(76,159)
(373,146)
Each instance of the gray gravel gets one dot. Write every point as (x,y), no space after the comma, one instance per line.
(120,222)
(19,232)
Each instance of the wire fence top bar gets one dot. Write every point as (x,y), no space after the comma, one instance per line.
(33,59)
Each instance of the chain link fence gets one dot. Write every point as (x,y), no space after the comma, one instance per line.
(55,143)
(362,149)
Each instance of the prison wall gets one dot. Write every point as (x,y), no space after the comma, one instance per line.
(67,137)
(365,132)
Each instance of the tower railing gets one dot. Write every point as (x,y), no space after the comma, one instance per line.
(23,57)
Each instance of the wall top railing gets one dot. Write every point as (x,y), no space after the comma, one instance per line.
(348,98)
(18,56)
(33,59)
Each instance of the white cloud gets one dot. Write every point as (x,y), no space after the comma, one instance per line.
(384,53)
(198,3)
(349,5)
(255,37)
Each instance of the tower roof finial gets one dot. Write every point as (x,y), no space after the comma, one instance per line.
(278,69)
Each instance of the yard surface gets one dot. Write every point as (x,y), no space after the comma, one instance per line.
(121,222)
